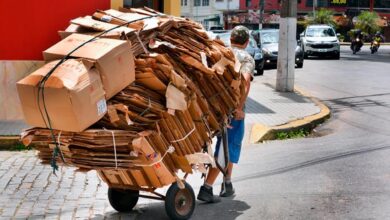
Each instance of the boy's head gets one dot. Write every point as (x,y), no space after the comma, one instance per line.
(239,35)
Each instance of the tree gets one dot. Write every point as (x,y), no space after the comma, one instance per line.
(367,22)
(322,16)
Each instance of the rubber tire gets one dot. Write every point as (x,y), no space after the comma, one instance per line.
(337,56)
(354,49)
(170,202)
(123,200)
(259,72)
(305,55)
(299,65)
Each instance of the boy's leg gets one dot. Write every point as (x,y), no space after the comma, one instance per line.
(235,136)
(206,191)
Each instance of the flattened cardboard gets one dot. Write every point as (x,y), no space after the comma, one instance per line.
(74,96)
(176,99)
(164,175)
(89,22)
(113,59)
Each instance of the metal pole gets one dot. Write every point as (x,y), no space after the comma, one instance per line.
(371,5)
(228,14)
(314,9)
(261,8)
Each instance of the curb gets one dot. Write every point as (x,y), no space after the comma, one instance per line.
(349,43)
(262,132)
(9,142)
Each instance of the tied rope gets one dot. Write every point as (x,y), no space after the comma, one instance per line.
(183,138)
(142,44)
(170,150)
(114,143)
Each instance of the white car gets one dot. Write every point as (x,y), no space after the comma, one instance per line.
(320,40)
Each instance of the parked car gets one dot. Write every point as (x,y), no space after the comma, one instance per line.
(320,40)
(252,49)
(216,28)
(269,43)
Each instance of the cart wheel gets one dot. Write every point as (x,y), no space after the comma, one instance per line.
(123,200)
(180,203)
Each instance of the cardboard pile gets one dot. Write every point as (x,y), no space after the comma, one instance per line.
(186,86)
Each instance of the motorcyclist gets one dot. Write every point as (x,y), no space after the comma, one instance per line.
(378,37)
(357,39)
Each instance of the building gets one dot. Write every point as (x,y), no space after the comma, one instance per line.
(345,11)
(31,27)
(202,11)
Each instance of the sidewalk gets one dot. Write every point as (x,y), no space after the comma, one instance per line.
(269,111)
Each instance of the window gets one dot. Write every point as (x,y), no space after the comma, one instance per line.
(320,32)
(248,3)
(320,3)
(183,2)
(205,2)
(196,2)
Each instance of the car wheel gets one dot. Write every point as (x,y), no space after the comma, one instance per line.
(299,65)
(305,55)
(337,56)
(259,72)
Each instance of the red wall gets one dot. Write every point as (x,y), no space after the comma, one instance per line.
(29,27)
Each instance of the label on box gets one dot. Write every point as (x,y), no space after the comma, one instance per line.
(101,107)
(106,18)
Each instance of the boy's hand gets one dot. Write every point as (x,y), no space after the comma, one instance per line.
(239,114)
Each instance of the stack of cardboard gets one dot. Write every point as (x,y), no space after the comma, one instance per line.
(186,86)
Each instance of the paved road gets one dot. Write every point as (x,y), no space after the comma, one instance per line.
(343,173)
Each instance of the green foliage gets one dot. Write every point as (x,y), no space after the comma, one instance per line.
(292,134)
(322,16)
(19,147)
(367,22)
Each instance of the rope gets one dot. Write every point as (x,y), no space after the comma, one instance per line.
(170,150)
(147,109)
(142,44)
(182,139)
(114,143)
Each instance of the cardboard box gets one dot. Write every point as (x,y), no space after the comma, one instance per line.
(74,96)
(75,28)
(113,59)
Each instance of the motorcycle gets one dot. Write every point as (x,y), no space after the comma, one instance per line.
(374,46)
(356,45)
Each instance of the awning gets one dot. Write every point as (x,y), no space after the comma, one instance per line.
(216,18)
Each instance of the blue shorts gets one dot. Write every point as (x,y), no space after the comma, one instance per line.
(235,137)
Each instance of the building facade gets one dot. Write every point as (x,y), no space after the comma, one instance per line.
(30,27)
(202,11)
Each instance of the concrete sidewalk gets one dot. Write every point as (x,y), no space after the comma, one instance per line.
(269,111)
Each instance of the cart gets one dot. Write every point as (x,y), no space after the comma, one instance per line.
(179,199)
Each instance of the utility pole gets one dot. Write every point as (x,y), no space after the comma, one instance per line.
(314,9)
(371,5)
(287,46)
(261,13)
(228,14)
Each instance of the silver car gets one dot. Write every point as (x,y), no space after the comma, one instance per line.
(320,40)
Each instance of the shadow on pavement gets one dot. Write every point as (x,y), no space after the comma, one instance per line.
(252,106)
(357,102)
(309,163)
(228,209)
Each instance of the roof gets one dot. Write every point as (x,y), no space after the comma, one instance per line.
(318,25)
